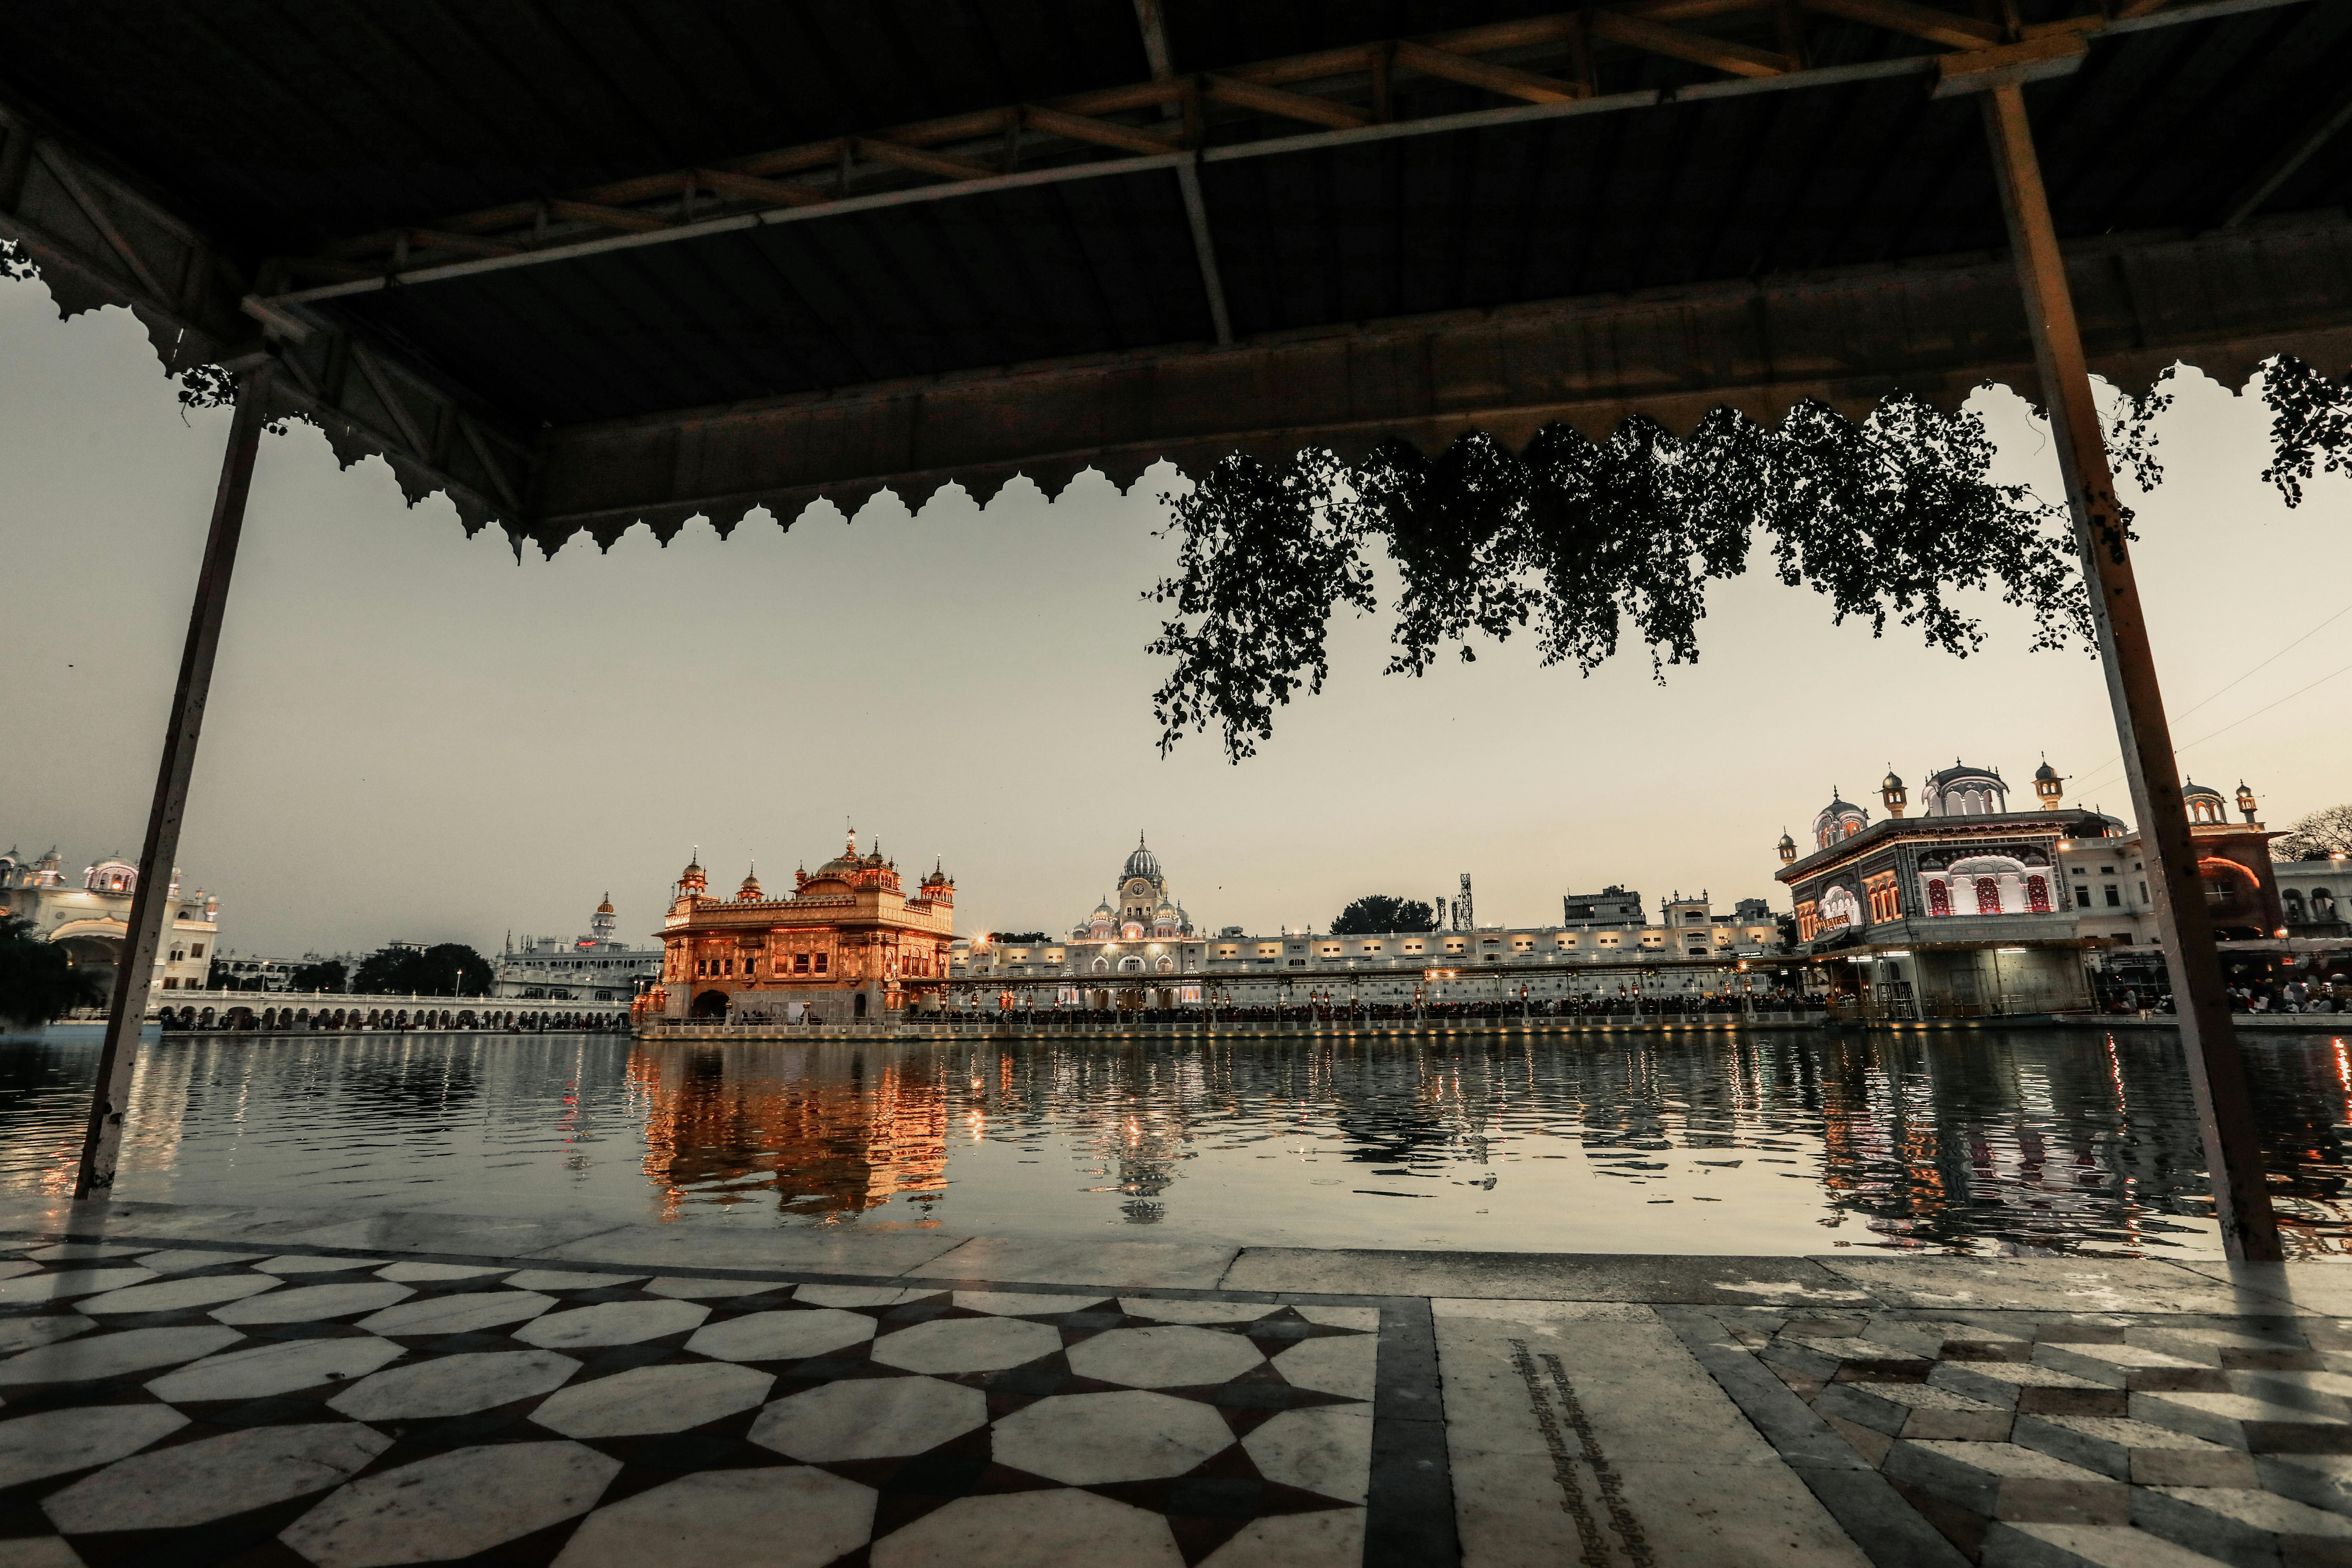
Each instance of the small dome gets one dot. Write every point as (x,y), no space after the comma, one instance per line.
(1787,842)
(1142,862)
(2190,788)
(848,859)
(2045,771)
(606,907)
(749,891)
(1890,781)
(1839,819)
(1964,790)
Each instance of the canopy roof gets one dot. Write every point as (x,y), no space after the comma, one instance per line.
(585,266)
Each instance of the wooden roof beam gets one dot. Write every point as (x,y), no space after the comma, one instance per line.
(1698,48)
(628,220)
(1508,80)
(921,160)
(2049,49)
(468,244)
(1283,104)
(1100,133)
(1929,22)
(752,188)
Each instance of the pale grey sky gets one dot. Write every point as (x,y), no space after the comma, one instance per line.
(411,736)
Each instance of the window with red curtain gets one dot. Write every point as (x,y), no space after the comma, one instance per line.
(2037,894)
(1988,896)
(1939,898)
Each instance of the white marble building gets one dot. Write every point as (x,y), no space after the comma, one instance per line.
(592,968)
(89,916)
(1148,943)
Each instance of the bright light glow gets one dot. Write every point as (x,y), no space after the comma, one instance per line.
(2009,949)
(1896,952)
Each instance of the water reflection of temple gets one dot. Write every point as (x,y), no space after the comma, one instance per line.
(2020,1143)
(827,1131)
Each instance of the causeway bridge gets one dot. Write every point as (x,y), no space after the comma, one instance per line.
(297,1012)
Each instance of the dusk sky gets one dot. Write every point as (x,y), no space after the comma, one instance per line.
(412,736)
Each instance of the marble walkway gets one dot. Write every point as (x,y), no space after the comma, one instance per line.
(242,1386)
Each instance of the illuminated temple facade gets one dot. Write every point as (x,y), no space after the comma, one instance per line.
(1975,901)
(849,943)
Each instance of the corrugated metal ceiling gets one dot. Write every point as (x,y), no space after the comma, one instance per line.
(283,127)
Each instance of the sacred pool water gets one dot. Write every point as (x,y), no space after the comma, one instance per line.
(2027,1141)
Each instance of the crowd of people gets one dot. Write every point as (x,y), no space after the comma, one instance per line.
(2298,994)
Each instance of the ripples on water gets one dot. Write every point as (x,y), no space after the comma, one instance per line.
(1781,1142)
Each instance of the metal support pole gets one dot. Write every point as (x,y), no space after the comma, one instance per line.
(2216,1070)
(151,903)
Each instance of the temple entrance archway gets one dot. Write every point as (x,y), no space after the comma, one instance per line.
(710,1004)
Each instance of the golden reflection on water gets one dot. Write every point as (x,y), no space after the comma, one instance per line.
(828,1133)
(816,1129)
(2029,1142)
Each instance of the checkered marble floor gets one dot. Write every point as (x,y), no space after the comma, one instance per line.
(195,1406)
(2120,1439)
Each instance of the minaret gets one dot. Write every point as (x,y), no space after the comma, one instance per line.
(601,924)
(2049,785)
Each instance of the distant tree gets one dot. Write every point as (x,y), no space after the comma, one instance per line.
(2316,836)
(327,974)
(39,980)
(439,971)
(1004,936)
(1377,912)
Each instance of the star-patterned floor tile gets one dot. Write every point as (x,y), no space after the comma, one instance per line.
(174,1488)
(730,1517)
(350,1413)
(287,1366)
(111,1355)
(652,1399)
(451,1505)
(870,1418)
(1164,1356)
(55,1442)
(967,1344)
(1083,1439)
(312,1303)
(612,1323)
(782,1335)
(454,1385)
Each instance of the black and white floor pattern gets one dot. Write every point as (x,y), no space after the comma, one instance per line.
(192,1406)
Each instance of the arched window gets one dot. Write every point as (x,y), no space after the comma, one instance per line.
(2293,899)
(2323,905)
(1988,896)
(2037,894)
(1940,897)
